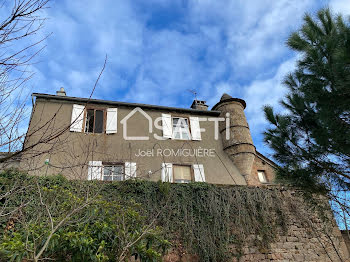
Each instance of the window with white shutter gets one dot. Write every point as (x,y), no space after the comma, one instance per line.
(113,172)
(167,172)
(182,173)
(111,124)
(77,118)
(198,171)
(180,128)
(94,120)
(109,171)
(95,170)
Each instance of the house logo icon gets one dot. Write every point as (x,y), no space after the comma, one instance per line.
(124,122)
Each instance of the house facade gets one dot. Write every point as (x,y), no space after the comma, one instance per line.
(85,138)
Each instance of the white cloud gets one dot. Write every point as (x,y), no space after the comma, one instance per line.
(237,47)
(265,92)
(220,89)
(340,6)
(78,78)
(255,30)
(223,42)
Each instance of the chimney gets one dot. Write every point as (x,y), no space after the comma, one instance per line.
(199,105)
(61,92)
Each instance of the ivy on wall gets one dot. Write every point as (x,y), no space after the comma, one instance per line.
(214,222)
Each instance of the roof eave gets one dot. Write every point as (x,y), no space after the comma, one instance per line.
(125,104)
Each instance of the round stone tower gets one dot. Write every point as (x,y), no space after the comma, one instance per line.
(239,144)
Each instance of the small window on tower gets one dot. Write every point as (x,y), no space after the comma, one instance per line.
(262,176)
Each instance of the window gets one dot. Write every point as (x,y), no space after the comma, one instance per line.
(113,173)
(262,176)
(180,128)
(94,122)
(182,174)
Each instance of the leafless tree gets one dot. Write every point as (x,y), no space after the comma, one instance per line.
(16,31)
(19,44)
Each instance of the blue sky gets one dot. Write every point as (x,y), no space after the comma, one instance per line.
(158,50)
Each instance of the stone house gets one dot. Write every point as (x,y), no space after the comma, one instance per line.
(107,140)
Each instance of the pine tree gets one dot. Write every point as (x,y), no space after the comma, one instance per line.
(311,141)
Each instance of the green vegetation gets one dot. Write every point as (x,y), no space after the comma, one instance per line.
(91,229)
(311,140)
(114,221)
(211,221)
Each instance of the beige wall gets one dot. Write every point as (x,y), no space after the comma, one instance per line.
(70,152)
(12,163)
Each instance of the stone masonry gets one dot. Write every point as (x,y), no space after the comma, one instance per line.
(239,146)
(305,237)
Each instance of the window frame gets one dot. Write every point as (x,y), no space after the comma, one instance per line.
(265,177)
(191,172)
(107,164)
(188,124)
(104,119)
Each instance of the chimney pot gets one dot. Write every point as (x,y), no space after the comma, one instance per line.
(61,92)
(199,105)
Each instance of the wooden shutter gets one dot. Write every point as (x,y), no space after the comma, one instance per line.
(130,170)
(199,175)
(167,172)
(195,128)
(262,176)
(95,170)
(167,126)
(112,123)
(77,118)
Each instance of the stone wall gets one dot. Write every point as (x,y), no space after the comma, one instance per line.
(261,165)
(305,237)
(301,244)
(297,245)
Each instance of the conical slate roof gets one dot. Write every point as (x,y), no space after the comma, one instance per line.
(225,97)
